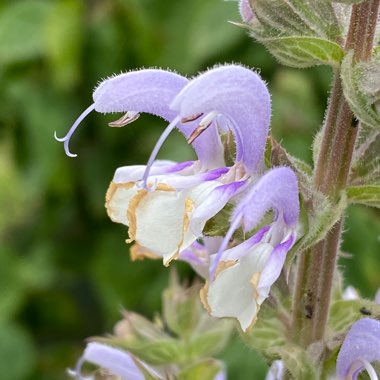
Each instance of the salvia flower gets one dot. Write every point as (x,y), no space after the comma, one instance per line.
(241,277)
(167,204)
(117,362)
(360,348)
(120,363)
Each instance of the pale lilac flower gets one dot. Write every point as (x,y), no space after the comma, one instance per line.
(350,293)
(245,10)
(118,362)
(121,364)
(241,277)
(360,348)
(166,204)
(276,371)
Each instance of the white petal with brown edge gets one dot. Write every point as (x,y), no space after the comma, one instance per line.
(234,292)
(117,201)
(159,220)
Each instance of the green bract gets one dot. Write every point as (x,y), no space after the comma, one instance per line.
(302,51)
(367,195)
(296,33)
(355,77)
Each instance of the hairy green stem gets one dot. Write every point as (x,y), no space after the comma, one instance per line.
(316,267)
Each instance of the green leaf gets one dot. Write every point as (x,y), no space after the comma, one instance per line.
(366,195)
(298,33)
(361,103)
(22,30)
(297,18)
(298,362)
(302,51)
(366,161)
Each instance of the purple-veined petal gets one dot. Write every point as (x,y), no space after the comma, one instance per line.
(198,254)
(360,348)
(241,249)
(178,176)
(241,96)
(273,267)
(217,199)
(245,10)
(119,362)
(134,173)
(197,257)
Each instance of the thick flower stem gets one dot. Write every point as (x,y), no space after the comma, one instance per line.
(317,266)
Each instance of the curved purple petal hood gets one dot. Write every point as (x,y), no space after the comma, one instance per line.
(150,91)
(277,190)
(240,96)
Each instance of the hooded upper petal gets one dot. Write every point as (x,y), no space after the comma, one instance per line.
(276,190)
(241,96)
(360,347)
(152,91)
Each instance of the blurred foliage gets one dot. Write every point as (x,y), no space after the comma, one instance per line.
(65,272)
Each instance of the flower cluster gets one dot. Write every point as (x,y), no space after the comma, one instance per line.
(167,204)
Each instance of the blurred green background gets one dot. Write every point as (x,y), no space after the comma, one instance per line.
(65,271)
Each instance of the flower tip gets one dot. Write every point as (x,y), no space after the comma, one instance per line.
(60,139)
(69,154)
(65,140)
(67,149)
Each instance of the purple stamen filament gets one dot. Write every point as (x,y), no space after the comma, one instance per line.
(156,149)
(66,139)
